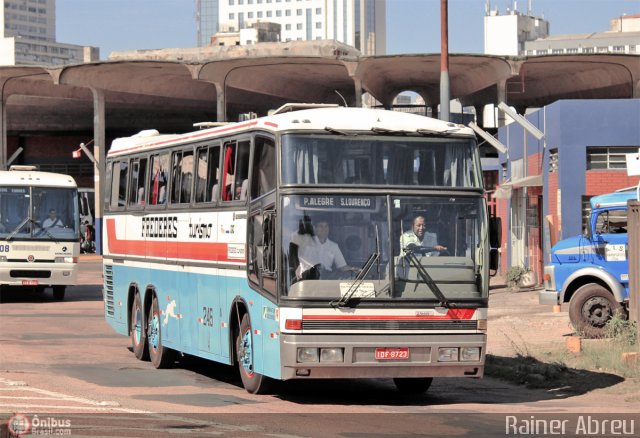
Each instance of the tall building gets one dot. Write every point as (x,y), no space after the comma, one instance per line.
(28,36)
(358,23)
(506,34)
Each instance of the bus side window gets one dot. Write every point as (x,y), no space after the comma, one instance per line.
(235,171)
(137,183)
(158,179)
(181,177)
(208,160)
(263,179)
(119,184)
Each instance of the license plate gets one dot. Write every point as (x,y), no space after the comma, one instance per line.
(392,353)
(29,282)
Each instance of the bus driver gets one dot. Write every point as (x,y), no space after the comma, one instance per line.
(419,236)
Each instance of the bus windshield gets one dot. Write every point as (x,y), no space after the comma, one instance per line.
(431,246)
(379,160)
(41,213)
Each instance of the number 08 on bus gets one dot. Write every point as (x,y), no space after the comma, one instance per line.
(310,244)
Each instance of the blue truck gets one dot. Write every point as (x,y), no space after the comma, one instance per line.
(591,271)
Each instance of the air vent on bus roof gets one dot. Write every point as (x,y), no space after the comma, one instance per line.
(22,167)
(287,107)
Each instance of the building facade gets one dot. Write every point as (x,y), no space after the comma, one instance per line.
(28,36)
(545,186)
(358,23)
(506,34)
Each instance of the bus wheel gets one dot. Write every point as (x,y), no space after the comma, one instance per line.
(253,382)
(590,308)
(138,333)
(416,385)
(58,293)
(161,356)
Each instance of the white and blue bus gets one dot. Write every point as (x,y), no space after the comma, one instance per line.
(210,239)
(39,230)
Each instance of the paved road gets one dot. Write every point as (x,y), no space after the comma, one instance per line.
(61,360)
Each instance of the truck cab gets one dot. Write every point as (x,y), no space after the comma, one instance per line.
(591,271)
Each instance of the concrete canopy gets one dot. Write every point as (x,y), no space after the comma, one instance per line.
(170,90)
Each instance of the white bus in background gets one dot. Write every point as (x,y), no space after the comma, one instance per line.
(39,230)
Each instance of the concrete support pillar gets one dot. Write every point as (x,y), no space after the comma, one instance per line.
(479,109)
(221,111)
(357,83)
(3,133)
(501,97)
(99,153)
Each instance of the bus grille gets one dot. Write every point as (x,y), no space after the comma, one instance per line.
(34,248)
(390,325)
(108,289)
(19,273)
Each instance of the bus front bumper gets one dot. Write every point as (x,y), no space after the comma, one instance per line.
(40,274)
(360,351)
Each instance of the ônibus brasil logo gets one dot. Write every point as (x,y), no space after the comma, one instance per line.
(19,425)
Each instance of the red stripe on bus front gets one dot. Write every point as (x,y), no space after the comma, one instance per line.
(209,251)
(451,314)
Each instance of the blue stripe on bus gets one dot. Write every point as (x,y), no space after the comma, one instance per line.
(194,309)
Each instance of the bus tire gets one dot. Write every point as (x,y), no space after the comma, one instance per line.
(58,293)
(590,308)
(252,381)
(138,331)
(413,385)
(161,356)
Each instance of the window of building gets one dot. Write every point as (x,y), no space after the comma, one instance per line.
(260,13)
(588,50)
(299,26)
(553,160)
(318,11)
(287,12)
(278,13)
(618,49)
(268,13)
(608,158)
(249,14)
(232,16)
(541,52)
(298,11)
(318,25)
(632,48)
(529,52)
(557,51)
(287,27)
(572,50)
(603,49)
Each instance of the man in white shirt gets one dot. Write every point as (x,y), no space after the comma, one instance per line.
(319,251)
(53,221)
(419,236)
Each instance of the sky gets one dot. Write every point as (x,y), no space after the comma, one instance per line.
(413,26)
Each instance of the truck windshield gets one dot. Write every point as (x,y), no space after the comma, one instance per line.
(375,247)
(379,160)
(39,213)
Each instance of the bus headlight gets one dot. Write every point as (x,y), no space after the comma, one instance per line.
(448,354)
(470,354)
(306,354)
(331,355)
(66,260)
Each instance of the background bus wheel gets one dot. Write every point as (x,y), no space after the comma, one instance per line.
(590,308)
(418,385)
(161,356)
(138,332)
(253,382)
(58,293)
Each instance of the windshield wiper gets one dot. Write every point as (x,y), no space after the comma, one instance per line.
(424,275)
(24,222)
(429,132)
(337,131)
(375,256)
(378,130)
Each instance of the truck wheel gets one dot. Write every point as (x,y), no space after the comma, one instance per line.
(591,307)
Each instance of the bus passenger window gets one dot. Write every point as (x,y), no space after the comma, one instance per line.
(207,174)
(182,177)
(119,184)
(138,178)
(264,169)
(235,171)
(158,179)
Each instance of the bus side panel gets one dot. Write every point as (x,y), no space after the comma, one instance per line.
(271,339)
(116,281)
(207,312)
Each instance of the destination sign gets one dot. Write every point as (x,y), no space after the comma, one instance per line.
(338,202)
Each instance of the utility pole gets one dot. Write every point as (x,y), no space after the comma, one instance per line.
(444,61)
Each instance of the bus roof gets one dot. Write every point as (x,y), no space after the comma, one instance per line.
(617,199)
(35,178)
(318,119)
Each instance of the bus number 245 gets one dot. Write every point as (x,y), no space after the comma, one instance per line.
(207,316)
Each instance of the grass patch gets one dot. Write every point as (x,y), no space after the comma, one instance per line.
(600,364)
